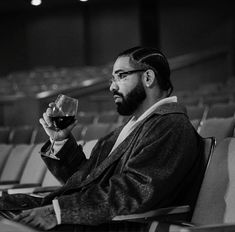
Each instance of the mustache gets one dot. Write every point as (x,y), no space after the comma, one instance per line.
(117,93)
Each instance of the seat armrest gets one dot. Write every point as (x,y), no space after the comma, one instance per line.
(154,214)
(22,188)
(226,227)
(45,189)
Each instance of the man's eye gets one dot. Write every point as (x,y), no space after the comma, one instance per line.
(121,75)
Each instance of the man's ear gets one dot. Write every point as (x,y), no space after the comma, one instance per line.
(149,78)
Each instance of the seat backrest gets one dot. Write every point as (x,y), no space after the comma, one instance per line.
(50,180)
(88,146)
(218,127)
(209,146)
(96,131)
(78,132)
(221,110)
(15,162)
(39,136)
(21,135)
(195,112)
(85,118)
(4,152)
(195,123)
(35,168)
(216,201)
(4,134)
(108,117)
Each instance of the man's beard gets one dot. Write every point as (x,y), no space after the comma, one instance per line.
(132,101)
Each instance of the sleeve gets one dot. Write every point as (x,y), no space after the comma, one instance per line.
(70,159)
(160,162)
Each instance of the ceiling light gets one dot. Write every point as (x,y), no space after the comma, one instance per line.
(36,2)
(83,0)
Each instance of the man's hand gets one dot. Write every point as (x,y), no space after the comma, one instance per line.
(48,126)
(42,217)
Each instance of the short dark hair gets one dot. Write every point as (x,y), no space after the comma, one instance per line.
(151,58)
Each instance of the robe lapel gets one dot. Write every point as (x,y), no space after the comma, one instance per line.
(115,155)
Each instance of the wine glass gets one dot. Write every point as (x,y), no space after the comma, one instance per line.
(64,112)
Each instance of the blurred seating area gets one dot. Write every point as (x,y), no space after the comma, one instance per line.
(210,108)
(43,79)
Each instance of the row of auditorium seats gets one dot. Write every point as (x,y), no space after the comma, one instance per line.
(217,120)
(218,127)
(21,165)
(31,135)
(50,78)
(93,126)
(42,79)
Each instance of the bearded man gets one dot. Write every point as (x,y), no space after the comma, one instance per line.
(152,161)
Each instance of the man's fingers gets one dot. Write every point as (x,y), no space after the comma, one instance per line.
(22,215)
(52,104)
(43,123)
(47,120)
(49,111)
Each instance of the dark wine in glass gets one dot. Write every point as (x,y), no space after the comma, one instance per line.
(61,122)
(64,112)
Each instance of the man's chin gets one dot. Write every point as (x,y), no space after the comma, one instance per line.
(122,111)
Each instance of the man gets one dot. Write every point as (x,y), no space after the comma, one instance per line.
(153,161)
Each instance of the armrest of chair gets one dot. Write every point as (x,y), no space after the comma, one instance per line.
(45,189)
(7,182)
(22,188)
(226,227)
(30,188)
(157,214)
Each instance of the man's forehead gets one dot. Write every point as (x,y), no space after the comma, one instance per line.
(122,63)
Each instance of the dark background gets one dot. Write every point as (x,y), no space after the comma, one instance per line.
(64,33)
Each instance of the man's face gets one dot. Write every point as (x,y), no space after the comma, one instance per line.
(128,90)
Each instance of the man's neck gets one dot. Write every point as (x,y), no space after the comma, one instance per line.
(145,105)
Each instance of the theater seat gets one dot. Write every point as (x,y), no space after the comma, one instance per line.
(33,171)
(85,118)
(215,208)
(21,135)
(78,132)
(196,112)
(4,134)
(88,146)
(221,111)
(95,131)
(15,163)
(4,152)
(39,135)
(195,123)
(218,127)
(108,117)
(50,180)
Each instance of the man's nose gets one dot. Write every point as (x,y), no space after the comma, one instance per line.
(113,86)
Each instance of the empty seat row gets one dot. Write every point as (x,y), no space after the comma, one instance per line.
(21,166)
(30,135)
(215,111)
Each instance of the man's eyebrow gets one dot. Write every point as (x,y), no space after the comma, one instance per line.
(119,70)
